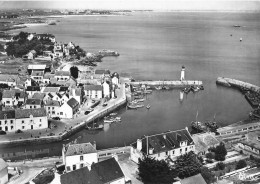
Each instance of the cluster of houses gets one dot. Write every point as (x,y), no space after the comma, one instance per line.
(55,93)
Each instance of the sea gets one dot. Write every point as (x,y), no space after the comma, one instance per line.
(154,46)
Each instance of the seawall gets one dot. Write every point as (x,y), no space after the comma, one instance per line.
(170,83)
(237,83)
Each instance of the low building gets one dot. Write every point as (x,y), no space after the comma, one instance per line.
(3,171)
(47,78)
(203,142)
(30,90)
(93,91)
(36,67)
(33,103)
(252,143)
(23,119)
(62,75)
(13,97)
(76,156)
(101,74)
(170,144)
(69,109)
(104,172)
(238,129)
(53,108)
(196,179)
(10,80)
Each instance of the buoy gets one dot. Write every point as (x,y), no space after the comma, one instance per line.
(241,39)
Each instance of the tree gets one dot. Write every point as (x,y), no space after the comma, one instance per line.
(210,155)
(74,71)
(208,176)
(187,165)
(220,152)
(155,171)
(241,164)
(220,166)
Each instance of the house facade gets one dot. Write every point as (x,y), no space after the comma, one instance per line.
(69,109)
(93,91)
(76,156)
(37,76)
(115,79)
(13,97)
(62,75)
(52,108)
(170,144)
(23,119)
(33,103)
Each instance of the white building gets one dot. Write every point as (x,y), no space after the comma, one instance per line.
(77,94)
(37,76)
(69,109)
(52,108)
(93,91)
(106,89)
(62,75)
(37,68)
(76,156)
(23,119)
(13,97)
(161,146)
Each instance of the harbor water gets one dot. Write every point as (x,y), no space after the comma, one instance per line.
(154,46)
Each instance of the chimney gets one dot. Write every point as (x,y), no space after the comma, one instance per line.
(139,144)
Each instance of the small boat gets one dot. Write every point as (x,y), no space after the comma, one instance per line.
(113,114)
(139,100)
(139,97)
(117,119)
(241,39)
(148,106)
(196,125)
(111,120)
(95,127)
(158,87)
(186,90)
(236,25)
(130,106)
(148,91)
(166,87)
(195,88)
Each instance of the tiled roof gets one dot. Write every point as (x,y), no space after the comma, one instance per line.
(8,115)
(31,101)
(38,96)
(8,78)
(69,82)
(204,141)
(72,103)
(93,87)
(8,93)
(165,141)
(33,88)
(100,72)
(62,73)
(25,113)
(52,103)
(36,67)
(51,89)
(37,73)
(78,149)
(3,164)
(103,172)
(48,76)
(64,88)
(197,179)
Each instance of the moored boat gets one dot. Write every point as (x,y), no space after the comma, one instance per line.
(113,114)
(187,89)
(148,106)
(117,119)
(158,87)
(95,127)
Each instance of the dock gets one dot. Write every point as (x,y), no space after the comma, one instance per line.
(177,83)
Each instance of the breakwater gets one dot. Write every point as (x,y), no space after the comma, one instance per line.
(237,83)
(174,84)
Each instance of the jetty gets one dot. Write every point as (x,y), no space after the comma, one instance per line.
(174,84)
(238,84)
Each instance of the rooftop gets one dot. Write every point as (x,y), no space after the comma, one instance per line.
(37,73)
(8,78)
(51,89)
(100,72)
(62,73)
(204,141)
(78,149)
(197,179)
(32,101)
(33,88)
(93,87)
(72,103)
(26,113)
(52,103)
(7,115)
(38,96)
(165,141)
(106,171)
(36,67)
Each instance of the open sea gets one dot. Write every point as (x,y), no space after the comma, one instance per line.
(154,46)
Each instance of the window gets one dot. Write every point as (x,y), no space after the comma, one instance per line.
(40,125)
(52,108)
(35,106)
(180,150)
(40,120)
(186,149)
(49,108)
(12,127)
(30,106)
(53,112)
(22,127)
(166,152)
(0,128)
(7,102)
(74,167)
(68,168)
(22,121)
(81,158)
(5,121)
(173,152)
(12,121)
(81,165)
(0,122)
(61,113)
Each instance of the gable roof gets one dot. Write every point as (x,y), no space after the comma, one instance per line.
(33,88)
(100,72)
(93,87)
(51,89)
(25,113)
(72,103)
(3,164)
(31,101)
(36,67)
(102,172)
(197,179)
(48,76)
(52,103)
(13,93)
(78,149)
(38,96)
(62,73)
(37,73)
(165,141)
(7,115)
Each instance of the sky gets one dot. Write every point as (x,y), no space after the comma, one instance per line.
(182,5)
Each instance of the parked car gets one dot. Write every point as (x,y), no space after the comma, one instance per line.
(56,118)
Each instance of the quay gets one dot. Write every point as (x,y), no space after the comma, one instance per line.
(174,84)
(237,83)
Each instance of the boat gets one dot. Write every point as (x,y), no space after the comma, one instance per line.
(52,23)
(196,125)
(241,39)
(195,88)
(139,100)
(130,106)
(158,87)
(148,87)
(111,120)
(95,127)
(187,89)
(113,114)
(148,106)
(165,87)
(117,119)
(236,25)
(212,125)
(139,97)
(148,91)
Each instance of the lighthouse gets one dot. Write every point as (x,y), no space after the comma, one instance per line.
(182,73)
